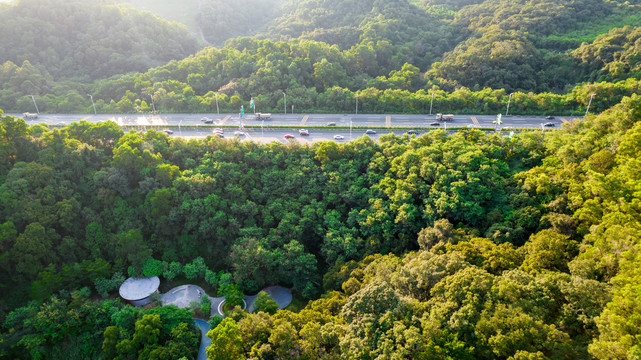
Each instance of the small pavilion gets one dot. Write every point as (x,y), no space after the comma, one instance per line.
(138,291)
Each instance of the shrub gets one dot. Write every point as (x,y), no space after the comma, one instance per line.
(265,303)
(173,270)
(233,295)
(205,305)
(152,267)
(214,320)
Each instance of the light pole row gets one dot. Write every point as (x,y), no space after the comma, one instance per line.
(507,110)
(509,99)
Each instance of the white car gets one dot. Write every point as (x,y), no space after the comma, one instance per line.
(239,133)
(339,137)
(219,130)
(168,132)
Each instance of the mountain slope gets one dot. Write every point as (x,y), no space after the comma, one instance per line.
(88,39)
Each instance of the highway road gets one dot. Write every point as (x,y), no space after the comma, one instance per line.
(300,120)
(268,135)
(381,123)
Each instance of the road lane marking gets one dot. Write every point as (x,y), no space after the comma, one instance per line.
(304,119)
(388,121)
(475,121)
(222,122)
(564,120)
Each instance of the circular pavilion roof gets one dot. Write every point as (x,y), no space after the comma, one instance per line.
(139,288)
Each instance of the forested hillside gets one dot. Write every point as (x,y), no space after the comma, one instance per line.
(392,55)
(468,245)
(215,21)
(87,39)
(462,246)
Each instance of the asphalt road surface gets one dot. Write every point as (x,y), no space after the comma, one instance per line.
(268,135)
(382,124)
(300,120)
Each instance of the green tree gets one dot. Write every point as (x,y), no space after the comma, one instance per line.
(619,326)
(205,305)
(265,303)
(548,250)
(226,341)
(174,269)
(233,295)
(34,249)
(111,335)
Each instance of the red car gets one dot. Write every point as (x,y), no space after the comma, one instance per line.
(289,136)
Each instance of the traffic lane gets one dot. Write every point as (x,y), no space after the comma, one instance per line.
(130,119)
(315,135)
(521,121)
(295,120)
(269,135)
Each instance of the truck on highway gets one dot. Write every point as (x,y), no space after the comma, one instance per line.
(262,116)
(444,117)
(29,115)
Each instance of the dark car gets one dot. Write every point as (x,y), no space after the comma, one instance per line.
(331,124)
(208,121)
(435,124)
(549,117)
(549,124)
(412,132)
(168,132)
(369,131)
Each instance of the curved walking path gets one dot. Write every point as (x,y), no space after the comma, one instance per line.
(182,297)
(205,341)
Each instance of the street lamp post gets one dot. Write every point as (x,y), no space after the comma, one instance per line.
(508,104)
(152,103)
(431,102)
(356,97)
(217,110)
(285,105)
(589,102)
(93,104)
(34,103)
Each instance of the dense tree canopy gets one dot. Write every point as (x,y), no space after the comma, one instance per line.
(498,247)
(464,245)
